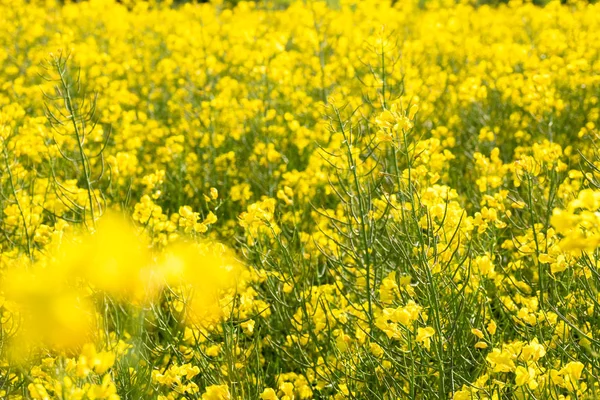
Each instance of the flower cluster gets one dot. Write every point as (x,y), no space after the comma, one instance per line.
(351,199)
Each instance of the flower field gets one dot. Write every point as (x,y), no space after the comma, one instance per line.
(352,199)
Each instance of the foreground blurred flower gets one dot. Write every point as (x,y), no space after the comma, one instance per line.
(51,313)
(114,259)
(53,303)
(200,272)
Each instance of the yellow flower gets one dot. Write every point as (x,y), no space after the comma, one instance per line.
(533,351)
(424,336)
(477,333)
(501,360)
(525,376)
(573,370)
(287,388)
(491,327)
(248,327)
(463,394)
(90,359)
(269,394)
(217,392)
